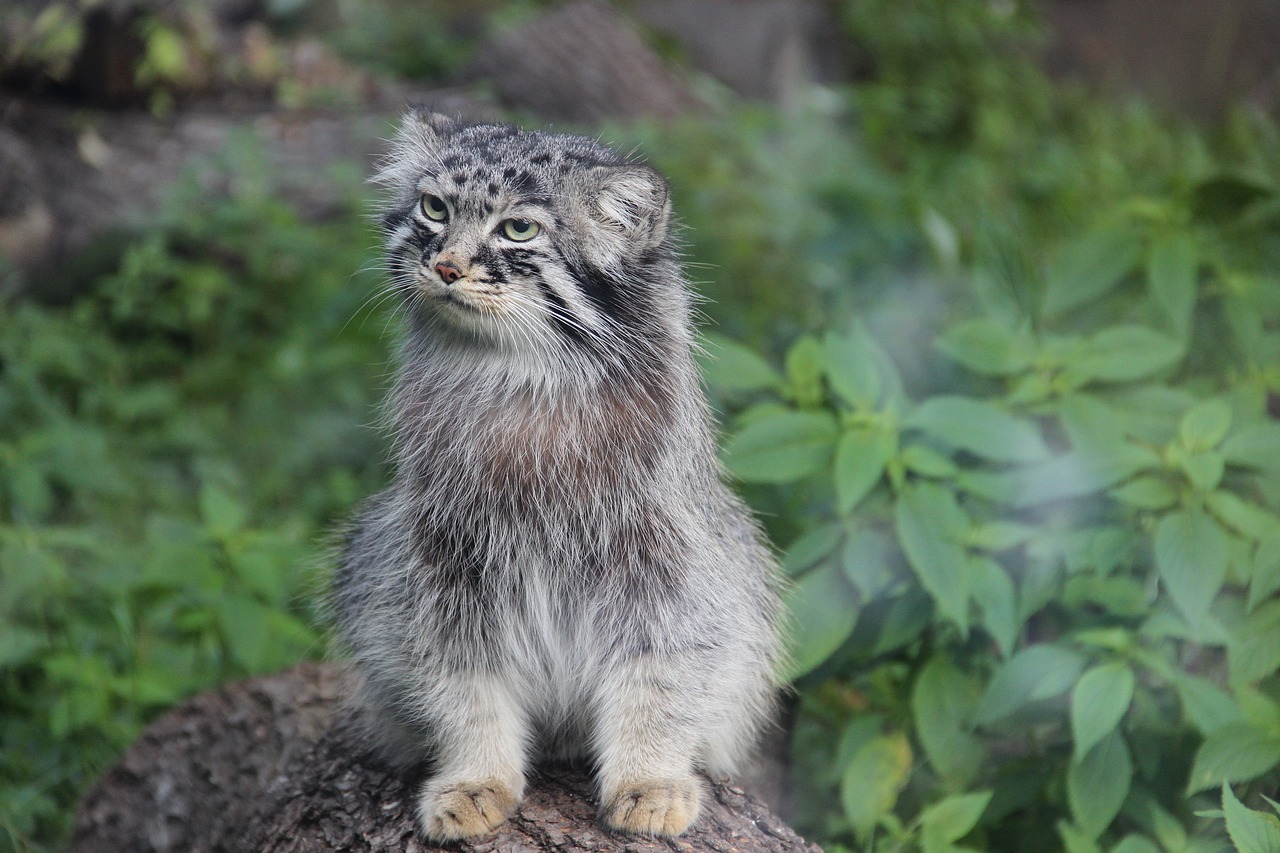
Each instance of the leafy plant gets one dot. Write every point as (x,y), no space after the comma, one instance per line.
(1035,576)
(172,444)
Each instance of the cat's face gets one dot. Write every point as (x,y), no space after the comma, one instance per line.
(523,240)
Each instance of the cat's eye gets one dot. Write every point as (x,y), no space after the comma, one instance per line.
(520,230)
(434,208)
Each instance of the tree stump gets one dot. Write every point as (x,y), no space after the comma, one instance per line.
(275,764)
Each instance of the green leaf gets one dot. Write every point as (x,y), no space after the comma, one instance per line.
(804,368)
(33,497)
(987,346)
(1254,651)
(1134,843)
(952,819)
(1234,753)
(1266,570)
(782,447)
(1122,354)
(731,367)
(1247,326)
(245,626)
(852,366)
(928,462)
(1098,784)
(1036,673)
(866,564)
(860,459)
(870,786)
(942,704)
(1090,267)
(166,53)
(1143,808)
(221,511)
(1172,271)
(1205,424)
(980,428)
(812,546)
(857,733)
(824,612)
(1228,196)
(1075,840)
(1204,470)
(1207,706)
(937,559)
(19,645)
(1146,492)
(1253,521)
(1254,446)
(997,600)
(905,619)
(1071,475)
(1251,831)
(1259,709)
(999,535)
(1191,556)
(1098,704)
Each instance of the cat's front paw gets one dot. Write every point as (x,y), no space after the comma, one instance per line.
(654,806)
(451,810)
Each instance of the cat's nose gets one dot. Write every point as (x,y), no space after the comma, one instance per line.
(448,271)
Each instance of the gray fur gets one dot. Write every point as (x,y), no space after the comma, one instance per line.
(557,569)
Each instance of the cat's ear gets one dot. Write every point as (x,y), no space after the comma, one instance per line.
(415,149)
(426,127)
(634,203)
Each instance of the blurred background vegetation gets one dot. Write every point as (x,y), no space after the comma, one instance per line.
(997,353)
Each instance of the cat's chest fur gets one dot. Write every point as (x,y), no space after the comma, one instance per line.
(526,453)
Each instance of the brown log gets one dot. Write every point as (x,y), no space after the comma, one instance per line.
(275,764)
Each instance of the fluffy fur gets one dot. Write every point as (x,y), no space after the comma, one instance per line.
(557,569)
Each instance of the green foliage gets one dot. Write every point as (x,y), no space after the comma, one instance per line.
(408,38)
(173,441)
(1030,493)
(1251,831)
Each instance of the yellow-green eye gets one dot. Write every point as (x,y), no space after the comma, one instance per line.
(434,208)
(519,230)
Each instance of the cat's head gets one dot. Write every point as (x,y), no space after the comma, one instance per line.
(527,240)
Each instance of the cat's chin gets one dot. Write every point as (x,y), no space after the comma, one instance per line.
(476,326)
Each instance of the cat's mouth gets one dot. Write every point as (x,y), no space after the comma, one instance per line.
(454,298)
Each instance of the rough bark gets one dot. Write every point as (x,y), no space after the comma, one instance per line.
(275,764)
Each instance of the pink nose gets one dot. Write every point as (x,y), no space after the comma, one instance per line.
(448,272)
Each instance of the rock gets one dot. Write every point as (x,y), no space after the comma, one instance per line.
(26,222)
(581,62)
(275,764)
(767,49)
(1195,56)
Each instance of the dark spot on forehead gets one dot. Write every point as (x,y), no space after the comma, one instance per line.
(452,161)
(459,178)
(492,188)
(565,167)
(509,172)
(539,159)
(525,183)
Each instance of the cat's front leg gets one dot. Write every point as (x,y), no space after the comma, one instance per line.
(481,740)
(646,731)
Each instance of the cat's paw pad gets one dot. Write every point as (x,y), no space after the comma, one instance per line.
(448,811)
(654,807)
